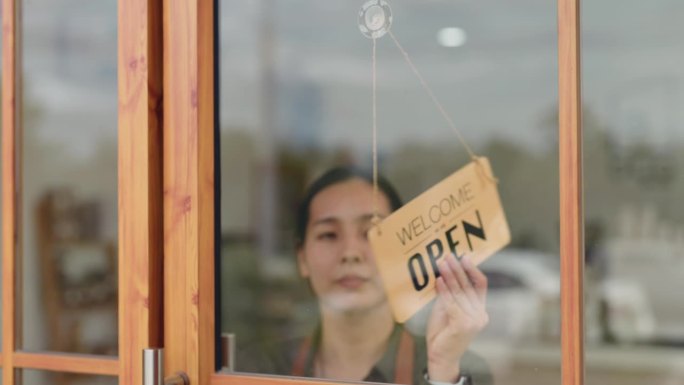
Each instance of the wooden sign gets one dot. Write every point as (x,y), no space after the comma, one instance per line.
(461,215)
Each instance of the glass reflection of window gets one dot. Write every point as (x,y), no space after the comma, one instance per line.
(633,152)
(69,159)
(295,102)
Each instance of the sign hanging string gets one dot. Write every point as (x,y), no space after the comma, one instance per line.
(434,99)
(427,88)
(376,217)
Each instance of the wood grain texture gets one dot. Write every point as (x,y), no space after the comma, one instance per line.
(571,202)
(207,220)
(189,189)
(140,183)
(65,362)
(10,180)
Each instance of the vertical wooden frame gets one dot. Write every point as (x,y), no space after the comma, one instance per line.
(140,183)
(189,228)
(10,187)
(571,194)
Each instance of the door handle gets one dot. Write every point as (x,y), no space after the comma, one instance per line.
(228,351)
(153,370)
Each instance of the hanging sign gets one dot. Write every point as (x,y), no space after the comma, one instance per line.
(461,215)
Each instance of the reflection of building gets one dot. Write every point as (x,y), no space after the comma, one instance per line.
(302,114)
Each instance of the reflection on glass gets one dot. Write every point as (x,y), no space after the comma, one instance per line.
(40,377)
(634,157)
(69,155)
(295,98)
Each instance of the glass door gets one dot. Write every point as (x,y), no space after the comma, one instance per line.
(262,97)
(634,226)
(81,181)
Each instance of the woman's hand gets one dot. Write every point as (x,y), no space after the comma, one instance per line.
(458,315)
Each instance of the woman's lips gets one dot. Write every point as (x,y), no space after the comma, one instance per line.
(351,281)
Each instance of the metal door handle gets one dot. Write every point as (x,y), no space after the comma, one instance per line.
(228,351)
(153,370)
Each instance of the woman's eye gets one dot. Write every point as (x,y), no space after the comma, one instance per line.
(327,236)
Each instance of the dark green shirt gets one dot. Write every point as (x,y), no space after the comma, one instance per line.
(278,359)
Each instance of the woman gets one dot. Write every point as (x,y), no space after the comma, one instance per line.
(357,339)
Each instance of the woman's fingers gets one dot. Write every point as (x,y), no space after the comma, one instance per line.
(449,278)
(443,291)
(464,281)
(478,279)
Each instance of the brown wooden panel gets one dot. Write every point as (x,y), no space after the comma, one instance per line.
(140,184)
(10,182)
(571,205)
(206,172)
(71,363)
(189,189)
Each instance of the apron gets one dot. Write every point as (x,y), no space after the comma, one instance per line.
(403,362)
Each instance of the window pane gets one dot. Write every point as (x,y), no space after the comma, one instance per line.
(69,160)
(295,100)
(634,158)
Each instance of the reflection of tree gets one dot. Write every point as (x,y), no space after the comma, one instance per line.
(619,173)
(644,164)
(527,183)
(260,302)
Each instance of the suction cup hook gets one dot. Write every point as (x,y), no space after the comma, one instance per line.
(375,18)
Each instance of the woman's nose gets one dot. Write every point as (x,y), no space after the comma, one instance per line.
(351,258)
(353,251)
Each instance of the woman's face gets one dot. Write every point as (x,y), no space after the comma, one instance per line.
(336,255)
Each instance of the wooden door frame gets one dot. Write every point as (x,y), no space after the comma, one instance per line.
(140,184)
(10,235)
(189,195)
(571,192)
(189,222)
(139,207)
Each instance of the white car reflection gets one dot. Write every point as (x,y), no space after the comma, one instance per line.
(644,281)
(523,300)
(620,313)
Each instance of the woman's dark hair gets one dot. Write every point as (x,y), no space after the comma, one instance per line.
(332,177)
